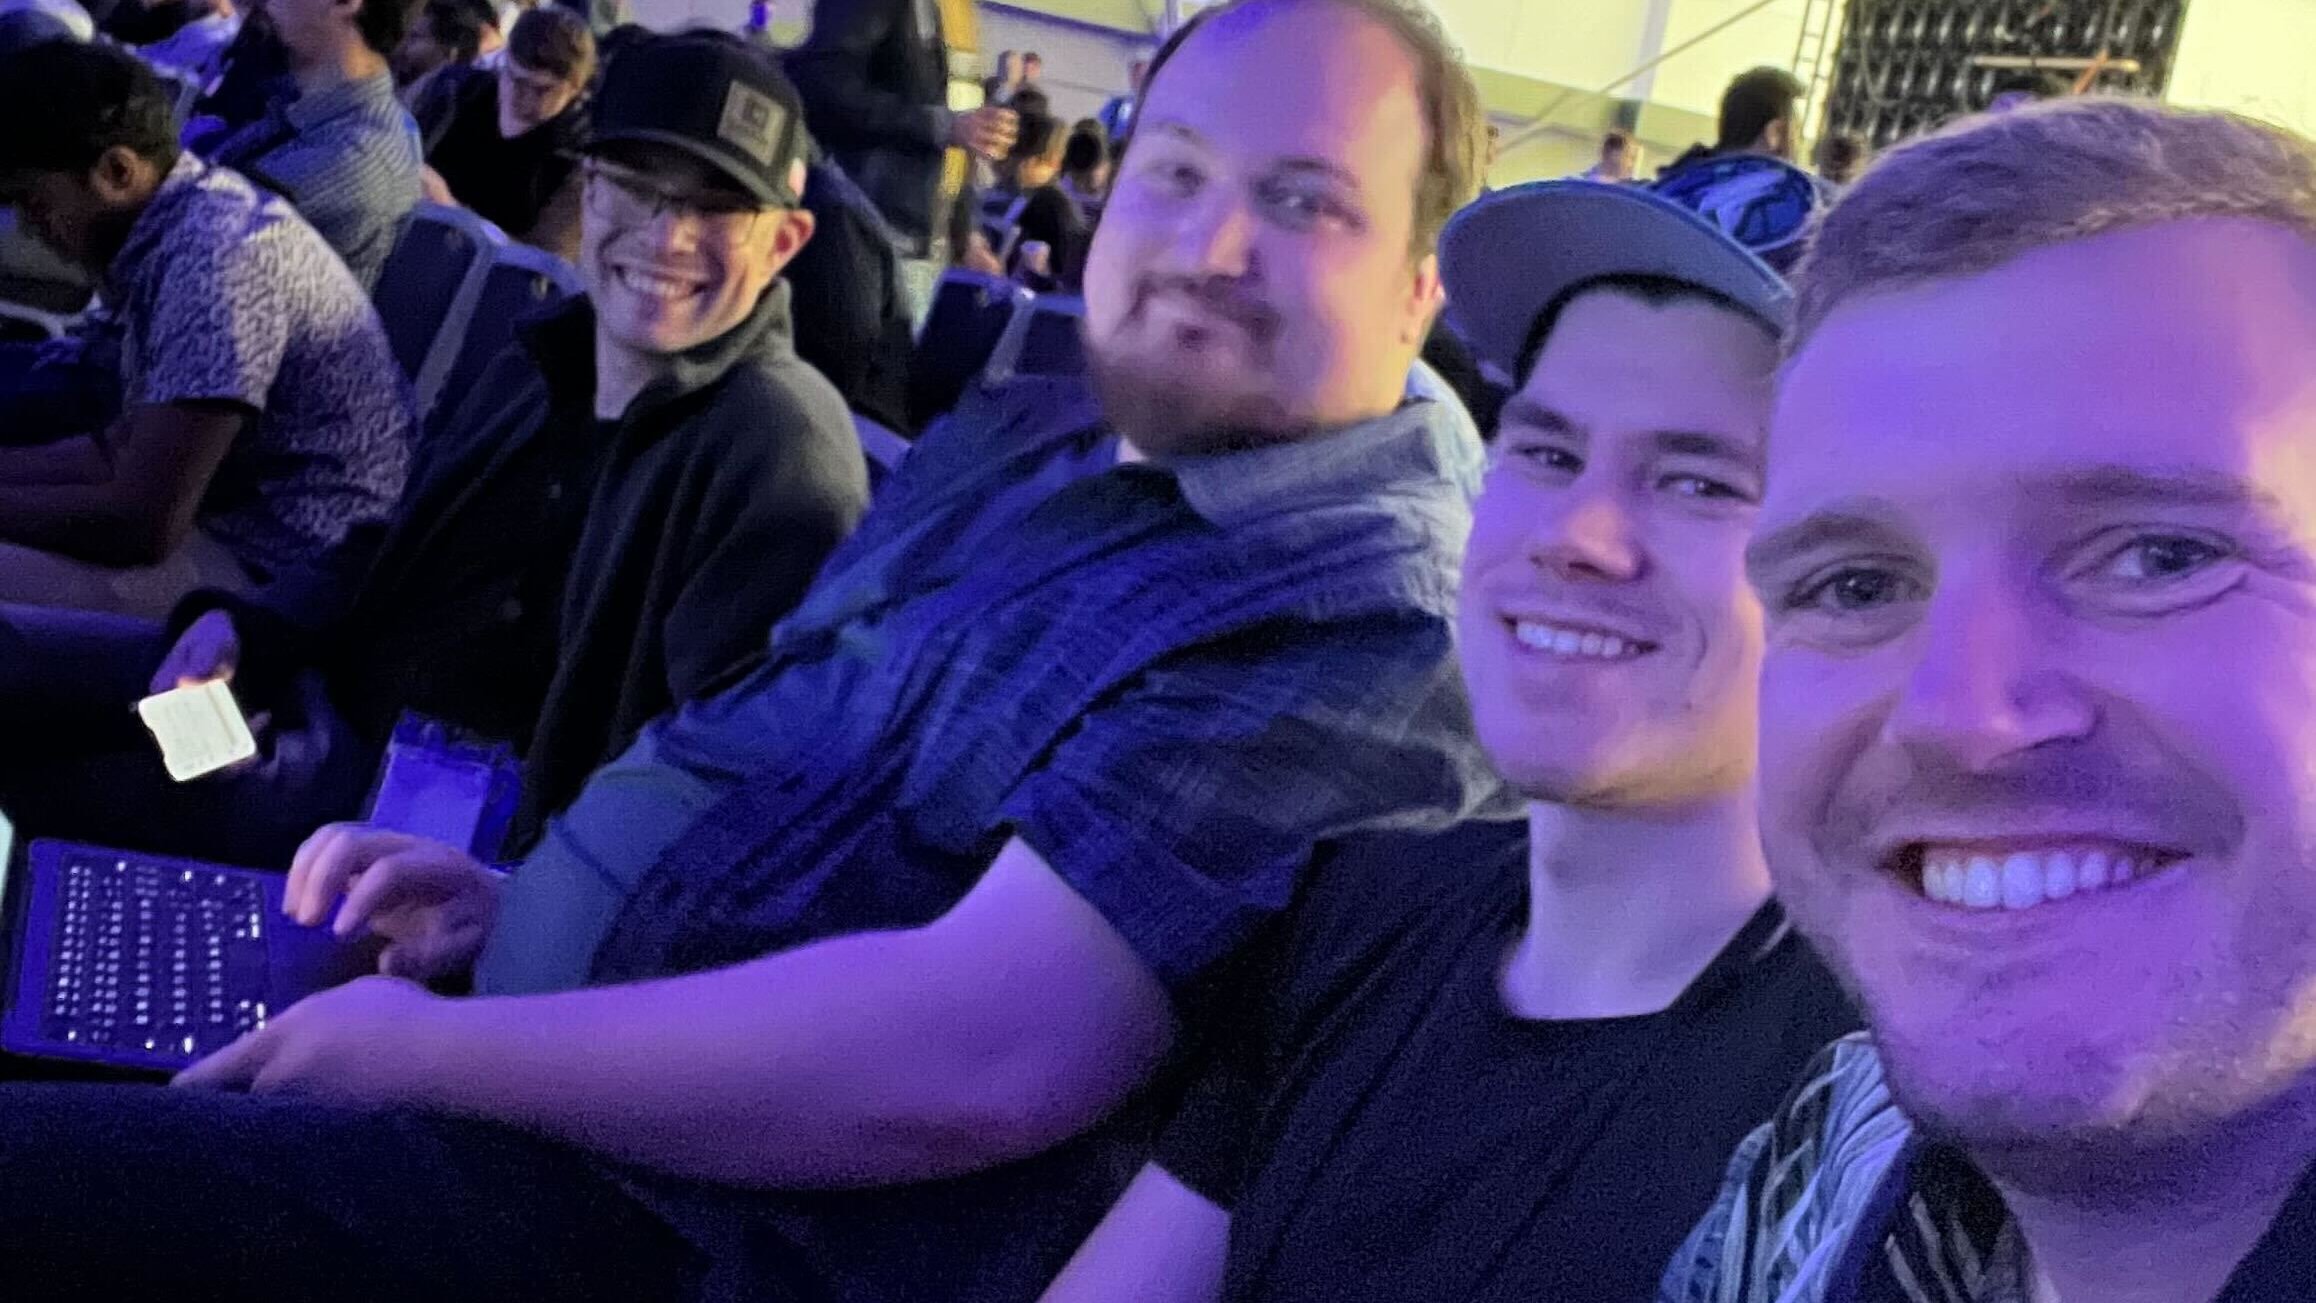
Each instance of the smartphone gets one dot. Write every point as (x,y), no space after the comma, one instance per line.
(200,729)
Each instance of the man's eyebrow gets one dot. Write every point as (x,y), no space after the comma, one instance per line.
(1852,522)
(1177,129)
(1308,165)
(1702,443)
(1524,411)
(2181,487)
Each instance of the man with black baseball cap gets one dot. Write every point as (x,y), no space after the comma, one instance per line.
(608,522)
(1504,1062)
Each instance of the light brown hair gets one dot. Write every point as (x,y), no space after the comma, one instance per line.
(1987,190)
(1456,150)
(553,40)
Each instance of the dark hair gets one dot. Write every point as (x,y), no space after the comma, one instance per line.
(607,47)
(1655,291)
(456,26)
(1038,133)
(1455,152)
(1030,102)
(1840,155)
(1086,149)
(383,23)
(1753,101)
(1617,139)
(2041,85)
(68,102)
(553,40)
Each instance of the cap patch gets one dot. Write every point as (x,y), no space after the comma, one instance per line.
(753,122)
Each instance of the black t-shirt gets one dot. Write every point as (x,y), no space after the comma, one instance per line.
(1382,1128)
(1049,216)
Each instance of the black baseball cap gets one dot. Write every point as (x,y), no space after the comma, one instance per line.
(716,97)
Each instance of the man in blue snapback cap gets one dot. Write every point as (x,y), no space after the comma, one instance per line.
(1505,1062)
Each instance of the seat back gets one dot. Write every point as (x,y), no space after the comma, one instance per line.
(21,324)
(970,315)
(883,449)
(1044,339)
(518,281)
(428,288)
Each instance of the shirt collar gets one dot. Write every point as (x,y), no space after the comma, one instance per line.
(562,342)
(1416,448)
(367,94)
(152,225)
(1937,1186)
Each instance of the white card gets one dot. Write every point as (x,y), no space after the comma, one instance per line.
(200,729)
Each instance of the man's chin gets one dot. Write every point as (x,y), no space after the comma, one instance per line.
(1179,413)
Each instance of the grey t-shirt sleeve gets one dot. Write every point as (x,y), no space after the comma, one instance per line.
(562,900)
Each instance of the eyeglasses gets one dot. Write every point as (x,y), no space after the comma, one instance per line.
(621,197)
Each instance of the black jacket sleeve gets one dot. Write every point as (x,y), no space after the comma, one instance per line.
(790,491)
(284,625)
(843,104)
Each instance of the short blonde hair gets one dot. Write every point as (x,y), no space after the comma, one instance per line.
(1986,190)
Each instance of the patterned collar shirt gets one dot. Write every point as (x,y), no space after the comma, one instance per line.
(1839,1200)
(347,157)
(223,295)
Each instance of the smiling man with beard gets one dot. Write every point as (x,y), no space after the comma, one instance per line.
(2036,725)
(851,981)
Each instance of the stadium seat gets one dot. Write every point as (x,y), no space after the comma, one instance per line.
(1041,340)
(969,316)
(428,289)
(517,281)
(22,324)
(883,448)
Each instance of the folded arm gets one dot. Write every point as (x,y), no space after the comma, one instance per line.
(126,497)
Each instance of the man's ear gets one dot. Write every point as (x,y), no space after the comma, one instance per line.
(1427,296)
(789,237)
(1778,137)
(120,175)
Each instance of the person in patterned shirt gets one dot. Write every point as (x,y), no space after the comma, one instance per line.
(263,422)
(2039,556)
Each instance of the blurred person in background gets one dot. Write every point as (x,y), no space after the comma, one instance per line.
(1759,115)
(1085,167)
(998,86)
(1841,156)
(874,75)
(336,142)
(448,33)
(1041,212)
(1117,115)
(509,148)
(1620,158)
